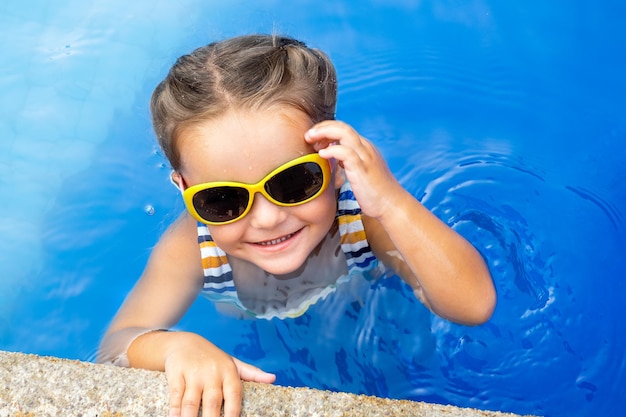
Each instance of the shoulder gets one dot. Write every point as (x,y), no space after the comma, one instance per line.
(182,233)
(178,247)
(170,282)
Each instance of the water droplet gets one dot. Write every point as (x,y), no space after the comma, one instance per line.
(149,209)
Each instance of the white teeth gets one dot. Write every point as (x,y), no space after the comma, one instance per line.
(275,241)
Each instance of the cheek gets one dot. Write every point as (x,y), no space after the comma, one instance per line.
(324,208)
(226,236)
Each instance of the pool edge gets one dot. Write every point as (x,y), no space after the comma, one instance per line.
(32,385)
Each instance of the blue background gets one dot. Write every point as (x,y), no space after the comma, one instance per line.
(507,119)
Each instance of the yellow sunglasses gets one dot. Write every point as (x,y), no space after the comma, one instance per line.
(293,183)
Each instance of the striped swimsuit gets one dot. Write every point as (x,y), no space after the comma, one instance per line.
(218,278)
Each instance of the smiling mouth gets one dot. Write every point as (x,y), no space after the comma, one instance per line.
(277,241)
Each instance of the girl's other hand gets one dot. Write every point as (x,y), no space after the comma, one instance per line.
(372,182)
(199,373)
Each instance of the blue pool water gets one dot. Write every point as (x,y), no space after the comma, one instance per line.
(507,119)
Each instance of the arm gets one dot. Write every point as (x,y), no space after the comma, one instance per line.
(158,300)
(446,271)
(197,371)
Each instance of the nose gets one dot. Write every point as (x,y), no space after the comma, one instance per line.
(264,214)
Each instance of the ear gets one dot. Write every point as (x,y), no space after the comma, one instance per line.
(339,175)
(177,180)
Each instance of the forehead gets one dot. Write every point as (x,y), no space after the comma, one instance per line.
(242,145)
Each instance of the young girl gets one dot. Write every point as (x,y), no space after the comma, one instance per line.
(283,204)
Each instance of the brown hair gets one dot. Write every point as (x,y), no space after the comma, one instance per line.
(248,72)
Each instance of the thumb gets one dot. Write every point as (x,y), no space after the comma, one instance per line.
(248,372)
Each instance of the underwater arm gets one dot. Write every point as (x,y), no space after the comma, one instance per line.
(444,270)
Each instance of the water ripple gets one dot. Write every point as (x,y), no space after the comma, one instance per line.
(537,237)
(609,210)
(441,72)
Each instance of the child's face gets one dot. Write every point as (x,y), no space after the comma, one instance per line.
(244,146)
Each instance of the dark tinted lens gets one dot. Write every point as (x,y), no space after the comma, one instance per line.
(296,184)
(221,204)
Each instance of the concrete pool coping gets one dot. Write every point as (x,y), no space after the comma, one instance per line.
(32,385)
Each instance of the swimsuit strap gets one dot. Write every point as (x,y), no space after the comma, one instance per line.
(353,240)
(218,275)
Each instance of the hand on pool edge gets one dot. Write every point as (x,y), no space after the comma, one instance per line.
(200,374)
(251,373)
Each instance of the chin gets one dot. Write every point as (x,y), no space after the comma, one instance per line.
(278,268)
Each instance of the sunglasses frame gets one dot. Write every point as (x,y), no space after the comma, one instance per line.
(258,187)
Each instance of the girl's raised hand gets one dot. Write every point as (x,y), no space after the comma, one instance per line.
(372,182)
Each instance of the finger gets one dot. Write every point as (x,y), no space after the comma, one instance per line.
(316,135)
(347,158)
(190,404)
(320,142)
(211,402)
(332,131)
(233,391)
(177,389)
(339,134)
(248,372)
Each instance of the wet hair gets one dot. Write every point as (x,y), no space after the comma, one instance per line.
(249,72)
